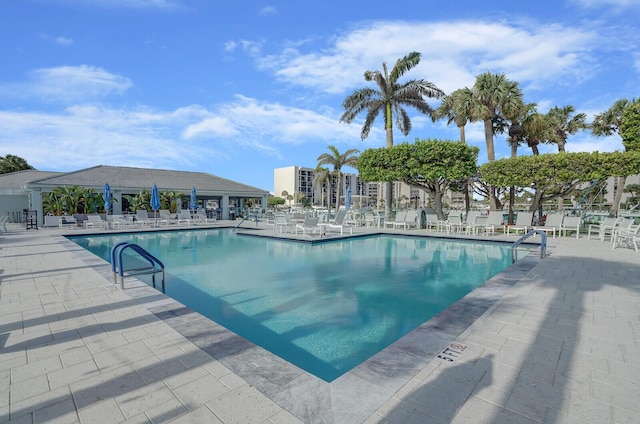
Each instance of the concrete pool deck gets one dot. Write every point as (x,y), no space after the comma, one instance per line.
(553,341)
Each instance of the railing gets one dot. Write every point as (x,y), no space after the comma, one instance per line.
(155,265)
(543,244)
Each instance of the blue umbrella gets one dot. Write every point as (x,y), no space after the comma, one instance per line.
(347,202)
(155,198)
(107,197)
(194,203)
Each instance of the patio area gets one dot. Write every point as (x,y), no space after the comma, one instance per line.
(547,341)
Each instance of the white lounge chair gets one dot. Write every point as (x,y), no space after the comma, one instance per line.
(338,223)
(400,216)
(627,237)
(142,218)
(552,224)
(119,221)
(310,225)
(281,223)
(479,224)
(410,218)
(165,218)
(523,222)
(95,221)
(454,223)
(495,221)
(571,223)
(67,222)
(604,228)
(201,217)
(185,218)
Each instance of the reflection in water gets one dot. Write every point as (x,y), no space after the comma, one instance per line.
(324,307)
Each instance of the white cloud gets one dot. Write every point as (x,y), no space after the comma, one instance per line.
(453,53)
(268,10)
(59,40)
(68,84)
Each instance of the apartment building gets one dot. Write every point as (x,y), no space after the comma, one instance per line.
(297,179)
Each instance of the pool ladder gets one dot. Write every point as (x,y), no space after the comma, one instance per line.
(117,268)
(543,244)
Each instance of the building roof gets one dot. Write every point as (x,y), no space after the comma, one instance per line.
(20,179)
(132,180)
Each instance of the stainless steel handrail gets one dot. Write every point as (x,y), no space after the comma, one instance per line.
(543,244)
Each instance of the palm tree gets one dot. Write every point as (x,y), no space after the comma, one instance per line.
(389,99)
(608,123)
(562,124)
(494,99)
(12,163)
(337,161)
(456,108)
(322,177)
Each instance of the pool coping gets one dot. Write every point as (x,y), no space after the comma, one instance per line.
(358,393)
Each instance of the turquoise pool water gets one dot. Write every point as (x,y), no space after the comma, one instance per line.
(325,307)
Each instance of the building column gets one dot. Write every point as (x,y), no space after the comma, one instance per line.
(225,206)
(117,202)
(35,203)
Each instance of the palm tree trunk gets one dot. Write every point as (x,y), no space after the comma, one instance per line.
(388,187)
(462,134)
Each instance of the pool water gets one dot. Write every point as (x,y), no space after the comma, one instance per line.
(325,307)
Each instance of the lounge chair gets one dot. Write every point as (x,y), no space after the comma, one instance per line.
(552,224)
(309,225)
(3,224)
(410,218)
(627,237)
(142,218)
(432,221)
(400,216)
(495,221)
(454,223)
(571,223)
(604,228)
(185,218)
(523,222)
(281,222)
(201,217)
(165,218)
(119,221)
(67,222)
(95,221)
(478,224)
(338,223)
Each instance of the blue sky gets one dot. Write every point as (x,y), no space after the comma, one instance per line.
(238,88)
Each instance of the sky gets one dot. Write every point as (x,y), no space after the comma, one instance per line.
(239,88)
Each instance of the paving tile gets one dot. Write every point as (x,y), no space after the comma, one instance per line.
(197,392)
(62,412)
(200,415)
(166,411)
(146,397)
(72,374)
(34,369)
(104,412)
(229,407)
(25,389)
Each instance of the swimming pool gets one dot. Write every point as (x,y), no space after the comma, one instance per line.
(324,307)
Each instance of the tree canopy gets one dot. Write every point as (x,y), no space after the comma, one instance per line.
(431,165)
(12,163)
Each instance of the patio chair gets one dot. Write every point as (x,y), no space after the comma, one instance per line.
(552,224)
(201,217)
(310,225)
(165,218)
(495,221)
(627,237)
(67,222)
(338,223)
(410,220)
(281,223)
(3,224)
(479,224)
(95,221)
(119,221)
(400,216)
(571,223)
(432,221)
(604,228)
(184,218)
(523,222)
(142,218)
(454,223)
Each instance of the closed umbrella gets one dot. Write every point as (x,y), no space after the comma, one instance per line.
(347,202)
(107,197)
(194,203)
(155,199)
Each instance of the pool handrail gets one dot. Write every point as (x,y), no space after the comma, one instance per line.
(543,244)
(116,259)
